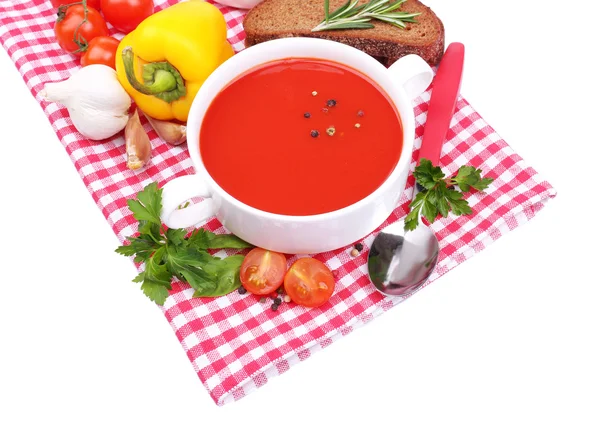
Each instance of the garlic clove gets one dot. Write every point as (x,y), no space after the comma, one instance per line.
(137,143)
(170,132)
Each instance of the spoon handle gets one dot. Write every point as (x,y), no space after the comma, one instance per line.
(446,86)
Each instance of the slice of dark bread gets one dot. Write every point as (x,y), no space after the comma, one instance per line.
(272,19)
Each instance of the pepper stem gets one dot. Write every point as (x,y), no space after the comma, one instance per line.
(161,79)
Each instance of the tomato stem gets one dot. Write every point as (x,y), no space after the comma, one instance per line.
(78,39)
(62,9)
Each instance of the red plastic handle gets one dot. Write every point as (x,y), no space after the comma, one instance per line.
(445,89)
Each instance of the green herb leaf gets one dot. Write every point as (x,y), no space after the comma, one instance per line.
(227,272)
(458,205)
(139,277)
(199,279)
(412,219)
(342,10)
(354,25)
(202,239)
(150,228)
(430,210)
(148,204)
(393,6)
(351,15)
(189,265)
(427,175)
(176,237)
(157,279)
(482,184)
(443,207)
(155,290)
(181,256)
(168,253)
(141,247)
(468,177)
(438,196)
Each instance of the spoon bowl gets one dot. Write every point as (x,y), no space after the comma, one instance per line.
(400,261)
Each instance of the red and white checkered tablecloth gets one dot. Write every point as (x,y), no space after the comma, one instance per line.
(234,342)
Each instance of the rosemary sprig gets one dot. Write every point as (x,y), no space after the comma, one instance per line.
(354,16)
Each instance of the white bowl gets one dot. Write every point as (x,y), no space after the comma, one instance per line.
(403,81)
(240,4)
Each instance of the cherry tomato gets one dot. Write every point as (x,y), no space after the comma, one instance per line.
(309,282)
(262,271)
(91,3)
(66,25)
(102,50)
(125,15)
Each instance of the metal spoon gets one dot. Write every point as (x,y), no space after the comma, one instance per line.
(400,261)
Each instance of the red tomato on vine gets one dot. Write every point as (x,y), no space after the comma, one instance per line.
(91,3)
(101,50)
(75,27)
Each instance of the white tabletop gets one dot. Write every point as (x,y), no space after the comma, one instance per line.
(507,343)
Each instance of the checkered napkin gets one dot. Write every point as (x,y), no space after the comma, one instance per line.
(234,342)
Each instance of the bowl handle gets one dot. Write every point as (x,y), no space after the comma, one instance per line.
(413,74)
(179,190)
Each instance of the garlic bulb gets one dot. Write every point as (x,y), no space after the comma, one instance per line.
(96,101)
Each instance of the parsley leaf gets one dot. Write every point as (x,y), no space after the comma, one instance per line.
(188,265)
(148,204)
(468,177)
(169,253)
(430,210)
(427,175)
(412,219)
(142,247)
(150,228)
(176,237)
(458,204)
(157,279)
(442,205)
(202,239)
(439,196)
(227,275)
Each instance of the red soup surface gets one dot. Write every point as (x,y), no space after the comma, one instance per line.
(301,137)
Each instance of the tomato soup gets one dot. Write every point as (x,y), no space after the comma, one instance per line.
(301,137)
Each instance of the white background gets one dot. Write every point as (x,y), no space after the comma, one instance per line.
(507,343)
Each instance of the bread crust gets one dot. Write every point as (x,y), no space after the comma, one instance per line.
(274,19)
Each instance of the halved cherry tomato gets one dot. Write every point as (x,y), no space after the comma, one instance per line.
(101,50)
(91,3)
(70,23)
(309,282)
(262,271)
(125,15)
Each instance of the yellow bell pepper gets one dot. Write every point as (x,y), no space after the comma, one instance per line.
(165,60)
